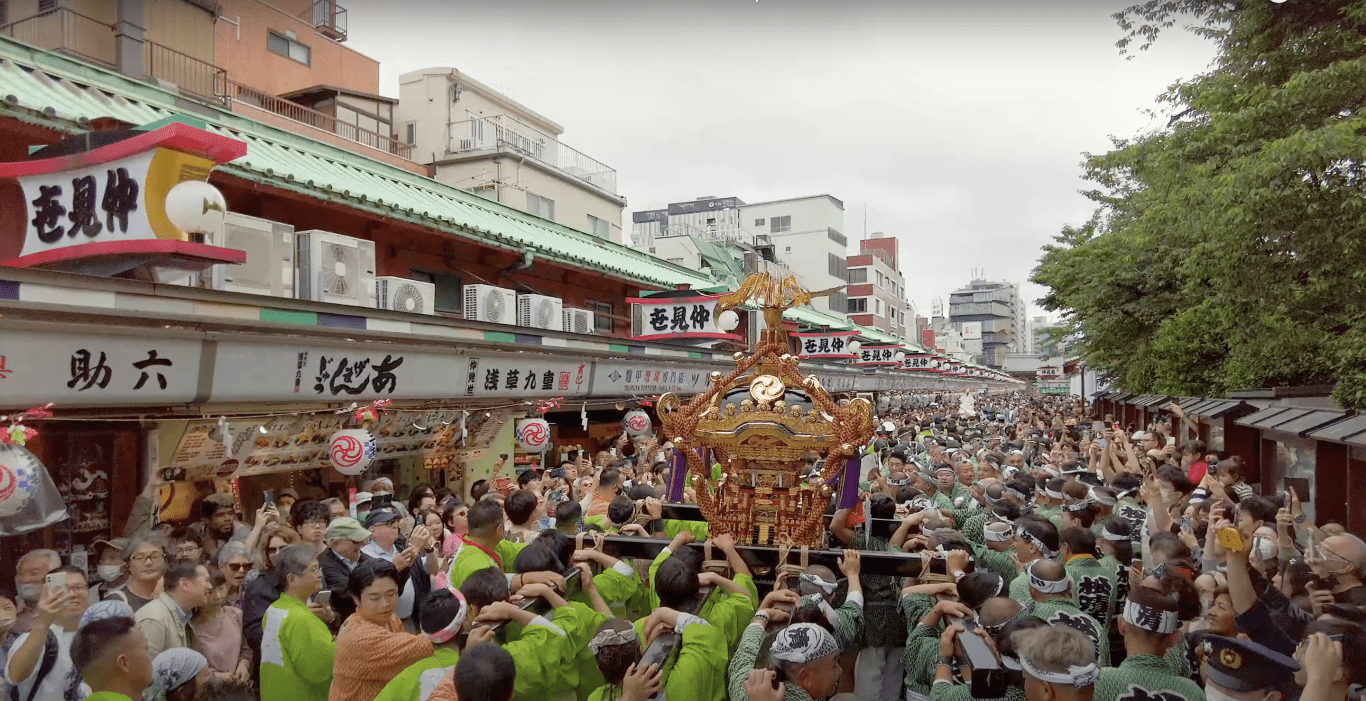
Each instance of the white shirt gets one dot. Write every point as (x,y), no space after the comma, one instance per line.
(405,600)
(55,683)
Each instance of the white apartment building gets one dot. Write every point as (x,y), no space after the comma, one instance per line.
(478,139)
(804,233)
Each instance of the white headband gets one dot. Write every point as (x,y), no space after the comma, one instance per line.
(1034,540)
(1151,619)
(1051,494)
(1103,500)
(1081,505)
(458,622)
(1048,587)
(1016,493)
(1074,676)
(1107,535)
(827,587)
(997,536)
(819,602)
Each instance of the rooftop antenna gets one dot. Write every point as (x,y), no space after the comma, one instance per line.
(865,221)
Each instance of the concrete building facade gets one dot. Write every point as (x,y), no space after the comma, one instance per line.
(997,306)
(475,138)
(877,288)
(805,234)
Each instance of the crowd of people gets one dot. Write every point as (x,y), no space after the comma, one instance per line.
(1093,561)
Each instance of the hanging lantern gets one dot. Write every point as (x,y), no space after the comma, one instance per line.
(351,450)
(29,499)
(637,423)
(196,207)
(533,435)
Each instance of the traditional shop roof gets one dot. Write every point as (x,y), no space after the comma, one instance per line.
(56,91)
(810,316)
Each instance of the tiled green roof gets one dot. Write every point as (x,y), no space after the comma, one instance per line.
(54,90)
(809,316)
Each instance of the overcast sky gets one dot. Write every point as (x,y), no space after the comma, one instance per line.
(959,123)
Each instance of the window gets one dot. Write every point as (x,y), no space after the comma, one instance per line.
(596,227)
(711,221)
(45,5)
(758,222)
(858,305)
(676,261)
(789,250)
(287,47)
(449,291)
(838,267)
(488,192)
(777,225)
(837,237)
(410,133)
(542,207)
(4,12)
(880,308)
(602,319)
(838,301)
(858,275)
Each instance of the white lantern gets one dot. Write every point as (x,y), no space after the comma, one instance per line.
(854,347)
(196,207)
(637,423)
(533,435)
(352,450)
(900,357)
(728,320)
(20,476)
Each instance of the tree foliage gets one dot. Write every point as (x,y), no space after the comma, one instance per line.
(1228,250)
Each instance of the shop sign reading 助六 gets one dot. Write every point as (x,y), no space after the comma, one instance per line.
(38,367)
(656,318)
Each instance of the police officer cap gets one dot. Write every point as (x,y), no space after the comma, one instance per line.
(1242,665)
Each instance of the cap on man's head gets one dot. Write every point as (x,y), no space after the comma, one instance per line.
(288,492)
(364,497)
(1242,665)
(118,544)
(346,528)
(381,516)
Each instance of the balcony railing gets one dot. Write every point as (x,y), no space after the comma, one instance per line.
(304,115)
(66,31)
(329,19)
(187,72)
(70,32)
(503,131)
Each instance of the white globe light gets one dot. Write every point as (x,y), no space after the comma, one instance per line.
(900,357)
(854,346)
(196,207)
(728,320)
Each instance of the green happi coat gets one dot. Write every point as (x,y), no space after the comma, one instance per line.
(1093,587)
(417,681)
(470,559)
(297,651)
(1119,582)
(884,626)
(922,643)
(963,692)
(743,663)
(695,670)
(1145,678)
(1052,513)
(998,562)
(1063,611)
(544,657)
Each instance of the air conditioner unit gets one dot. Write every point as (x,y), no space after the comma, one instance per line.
(540,312)
(335,268)
(492,304)
(404,295)
(269,268)
(578,321)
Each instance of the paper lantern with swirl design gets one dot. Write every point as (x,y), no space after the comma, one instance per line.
(351,450)
(533,435)
(637,423)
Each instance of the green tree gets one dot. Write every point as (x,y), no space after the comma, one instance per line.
(1228,250)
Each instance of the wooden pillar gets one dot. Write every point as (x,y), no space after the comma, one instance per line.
(1330,482)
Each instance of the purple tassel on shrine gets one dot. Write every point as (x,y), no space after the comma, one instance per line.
(849,483)
(678,477)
